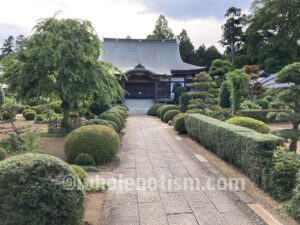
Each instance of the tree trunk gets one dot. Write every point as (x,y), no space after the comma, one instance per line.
(65,106)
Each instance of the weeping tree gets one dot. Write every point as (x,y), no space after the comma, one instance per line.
(60,60)
(291,97)
(204,97)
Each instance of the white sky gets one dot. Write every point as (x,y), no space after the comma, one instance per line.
(110,18)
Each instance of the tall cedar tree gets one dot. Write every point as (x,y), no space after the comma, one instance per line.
(187,50)
(205,56)
(204,96)
(232,31)
(161,30)
(7,47)
(291,97)
(60,60)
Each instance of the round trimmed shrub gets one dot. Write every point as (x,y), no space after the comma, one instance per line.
(74,115)
(121,105)
(99,141)
(118,115)
(80,173)
(28,110)
(120,108)
(114,118)
(251,123)
(159,110)
(2,154)
(170,115)
(179,124)
(84,159)
(113,124)
(119,111)
(39,109)
(29,115)
(6,115)
(152,111)
(165,109)
(34,190)
(100,122)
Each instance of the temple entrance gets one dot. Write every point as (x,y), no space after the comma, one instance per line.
(140,90)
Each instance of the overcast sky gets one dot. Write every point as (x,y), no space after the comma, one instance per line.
(118,18)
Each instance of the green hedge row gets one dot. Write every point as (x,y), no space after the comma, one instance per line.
(250,151)
(260,114)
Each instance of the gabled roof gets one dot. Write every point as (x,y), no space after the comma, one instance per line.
(269,82)
(160,56)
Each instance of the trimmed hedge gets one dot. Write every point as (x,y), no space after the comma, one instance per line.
(100,122)
(113,124)
(292,206)
(251,151)
(85,159)
(178,123)
(112,118)
(29,115)
(99,141)
(170,115)
(35,191)
(116,114)
(165,109)
(260,114)
(159,110)
(152,111)
(80,173)
(250,123)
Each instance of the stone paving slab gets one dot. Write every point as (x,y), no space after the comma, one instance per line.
(151,151)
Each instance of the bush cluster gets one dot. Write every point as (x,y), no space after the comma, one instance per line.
(169,115)
(29,114)
(178,123)
(165,109)
(152,111)
(99,141)
(101,122)
(38,178)
(82,175)
(250,123)
(260,114)
(184,100)
(84,159)
(250,151)
(113,118)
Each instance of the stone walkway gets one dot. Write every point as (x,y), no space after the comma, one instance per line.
(168,183)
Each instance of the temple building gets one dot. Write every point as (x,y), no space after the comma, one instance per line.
(154,68)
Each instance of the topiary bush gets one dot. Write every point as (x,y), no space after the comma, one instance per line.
(29,115)
(224,95)
(35,191)
(170,115)
(2,154)
(80,173)
(178,123)
(152,111)
(261,114)
(159,110)
(113,118)
(100,122)
(39,109)
(167,108)
(184,102)
(113,124)
(99,141)
(253,124)
(28,110)
(84,159)
(177,93)
(121,112)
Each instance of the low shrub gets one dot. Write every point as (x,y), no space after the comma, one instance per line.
(178,123)
(73,115)
(90,169)
(169,115)
(263,103)
(39,109)
(80,173)
(29,115)
(177,93)
(121,112)
(84,159)
(56,106)
(152,111)
(32,191)
(100,122)
(250,123)
(21,108)
(221,114)
(28,110)
(112,118)
(250,105)
(165,109)
(2,154)
(98,108)
(121,105)
(184,100)
(260,114)
(249,150)
(159,109)
(6,116)
(113,124)
(291,207)
(99,141)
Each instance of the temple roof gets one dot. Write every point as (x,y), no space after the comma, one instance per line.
(158,56)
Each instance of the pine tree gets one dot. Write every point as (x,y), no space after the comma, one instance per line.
(204,96)
(7,47)
(161,30)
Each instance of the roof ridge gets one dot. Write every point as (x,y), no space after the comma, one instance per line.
(140,40)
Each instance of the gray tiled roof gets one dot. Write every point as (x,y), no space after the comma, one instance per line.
(157,56)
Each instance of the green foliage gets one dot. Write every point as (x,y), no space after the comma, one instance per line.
(84,159)
(2,154)
(204,94)
(250,123)
(10,144)
(1,97)
(178,123)
(261,114)
(289,74)
(283,174)
(65,126)
(29,115)
(247,104)
(30,141)
(39,109)
(263,103)
(161,30)
(169,115)
(221,114)
(99,107)
(292,206)
(120,111)
(159,109)
(205,56)
(224,95)
(178,92)
(56,106)
(184,102)
(80,173)
(100,122)
(152,111)
(112,115)
(247,149)
(219,68)
(6,115)
(60,60)
(165,109)
(9,110)
(90,169)
(186,49)
(99,141)
(239,82)
(39,178)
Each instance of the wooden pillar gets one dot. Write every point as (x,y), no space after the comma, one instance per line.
(156,91)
